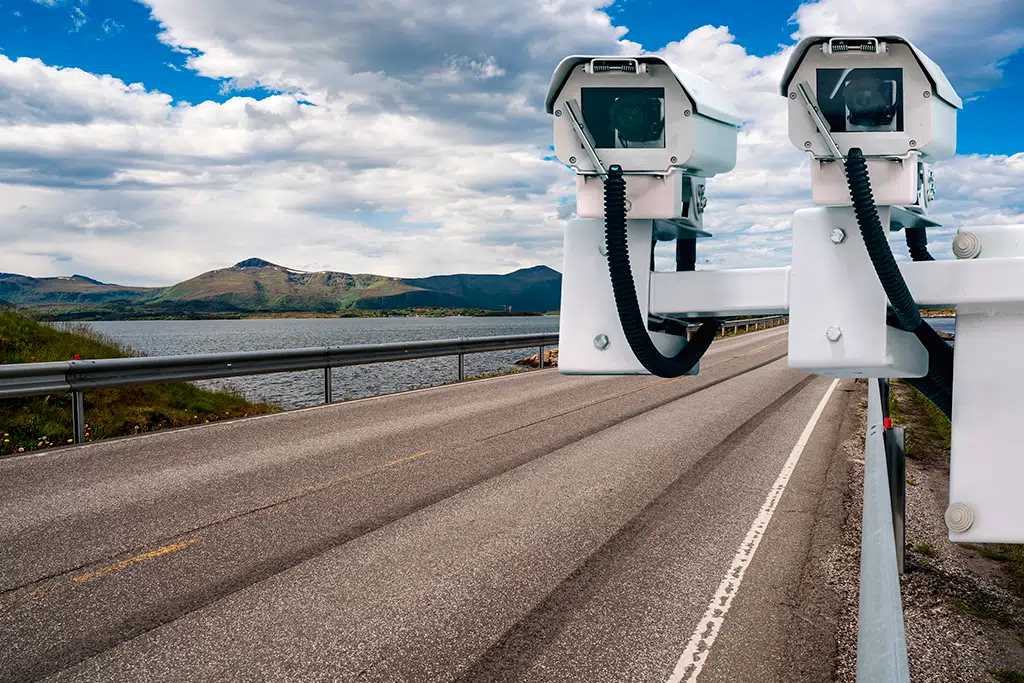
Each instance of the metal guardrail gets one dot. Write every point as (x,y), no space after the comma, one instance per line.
(881,638)
(748,324)
(78,376)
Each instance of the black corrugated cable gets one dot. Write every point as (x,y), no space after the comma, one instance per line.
(634,326)
(937,385)
(917,244)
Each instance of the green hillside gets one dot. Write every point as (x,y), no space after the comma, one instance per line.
(76,289)
(255,286)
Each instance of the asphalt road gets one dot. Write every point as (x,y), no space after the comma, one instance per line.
(530,528)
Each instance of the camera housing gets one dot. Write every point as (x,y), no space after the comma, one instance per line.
(666,128)
(880,94)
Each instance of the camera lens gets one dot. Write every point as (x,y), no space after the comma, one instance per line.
(625,118)
(870,101)
(637,117)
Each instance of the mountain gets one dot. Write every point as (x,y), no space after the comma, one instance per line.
(258,286)
(76,289)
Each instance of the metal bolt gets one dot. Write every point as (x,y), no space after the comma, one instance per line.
(833,333)
(572,160)
(959,517)
(686,112)
(792,95)
(807,144)
(628,204)
(926,94)
(601,342)
(838,235)
(602,249)
(558,112)
(673,160)
(913,143)
(966,245)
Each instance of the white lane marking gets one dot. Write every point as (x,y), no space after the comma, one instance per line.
(698,649)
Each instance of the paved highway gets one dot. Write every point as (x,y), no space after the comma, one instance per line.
(528,528)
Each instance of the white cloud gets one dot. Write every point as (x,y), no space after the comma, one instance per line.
(408,139)
(111,26)
(78,19)
(99,219)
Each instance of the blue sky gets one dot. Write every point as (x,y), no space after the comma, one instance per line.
(324,134)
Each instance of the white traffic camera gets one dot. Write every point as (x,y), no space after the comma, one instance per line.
(662,126)
(881,95)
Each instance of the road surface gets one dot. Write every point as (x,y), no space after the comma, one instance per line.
(525,528)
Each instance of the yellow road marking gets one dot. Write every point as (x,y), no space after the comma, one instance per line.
(135,559)
(408,458)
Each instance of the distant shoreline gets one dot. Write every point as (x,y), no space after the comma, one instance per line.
(97,315)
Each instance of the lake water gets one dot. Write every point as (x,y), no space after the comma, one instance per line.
(298,389)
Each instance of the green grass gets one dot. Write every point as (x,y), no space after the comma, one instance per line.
(926,549)
(1007,676)
(43,421)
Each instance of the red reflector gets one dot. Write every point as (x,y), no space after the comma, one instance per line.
(887,422)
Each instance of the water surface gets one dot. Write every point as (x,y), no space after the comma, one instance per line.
(298,389)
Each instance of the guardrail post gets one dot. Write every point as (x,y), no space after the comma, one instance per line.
(540,358)
(78,416)
(896,463)
(881,637)
(328,386)
(462,367)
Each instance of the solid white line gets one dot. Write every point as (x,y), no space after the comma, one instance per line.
(698,649)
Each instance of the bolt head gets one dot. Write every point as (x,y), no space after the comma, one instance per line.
(572,160)
(913,143)
(686,113)
(808,144)
(601,342)
(673,160)
(838,236)
(926,94)
(959,517)
(558,112)
(792,95)
(833,333)
(966,245)
(602,249)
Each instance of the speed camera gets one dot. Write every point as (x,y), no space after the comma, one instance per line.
(879,94)
(664,127)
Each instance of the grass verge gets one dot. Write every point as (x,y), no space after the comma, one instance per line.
(43,421)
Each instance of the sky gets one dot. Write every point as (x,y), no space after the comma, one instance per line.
(145,142)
